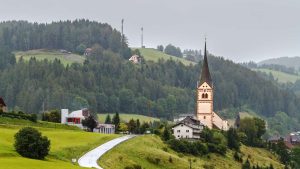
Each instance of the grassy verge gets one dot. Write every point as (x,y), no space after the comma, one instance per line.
(145,150)
(65,145)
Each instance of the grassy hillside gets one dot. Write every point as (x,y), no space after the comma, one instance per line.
(142,149)
(65,145)
(281,76)
(127,117)
(155,55)
(42,54)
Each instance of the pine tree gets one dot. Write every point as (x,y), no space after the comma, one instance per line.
(108,119)
(116,121)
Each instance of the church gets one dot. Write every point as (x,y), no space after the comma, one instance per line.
(205,100)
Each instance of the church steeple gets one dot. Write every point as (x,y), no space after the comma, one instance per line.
(205,75)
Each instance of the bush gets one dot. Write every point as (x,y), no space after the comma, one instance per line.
(30,143)
(135,166)
(152,160)
(19,115)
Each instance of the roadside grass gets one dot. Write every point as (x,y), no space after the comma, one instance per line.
(127,117)
(281,76)
(66,144)
(143,150)
(50,55)
(154,55)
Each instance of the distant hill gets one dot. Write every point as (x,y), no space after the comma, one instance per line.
(285,61)
(155,55)
(282,77)
(50,55)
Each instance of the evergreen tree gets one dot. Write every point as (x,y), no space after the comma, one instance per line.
(166,134)
(108,119)
(233,140)
(116,121)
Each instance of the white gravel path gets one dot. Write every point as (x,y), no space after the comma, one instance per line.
(91,157)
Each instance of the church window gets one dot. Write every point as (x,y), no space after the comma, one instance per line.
(203,95)
(204,117)
(206,95)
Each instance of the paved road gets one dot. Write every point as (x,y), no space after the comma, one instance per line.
(91,157)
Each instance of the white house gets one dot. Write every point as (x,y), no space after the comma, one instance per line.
(188,128)
(74,118)
(105,128)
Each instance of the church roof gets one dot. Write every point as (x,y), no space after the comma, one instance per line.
(205,75)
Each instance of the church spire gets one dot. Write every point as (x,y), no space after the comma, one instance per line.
(205,75)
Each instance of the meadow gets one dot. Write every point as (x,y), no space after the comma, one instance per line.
(127,117)
(145,150)
(50,55)
(66,144)
(151,54)
(280,76)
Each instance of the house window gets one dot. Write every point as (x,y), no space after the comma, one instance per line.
(178,131)
(178,136)
(187,131)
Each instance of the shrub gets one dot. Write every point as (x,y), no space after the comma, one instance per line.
(135,166)
(170,159)
(152,160)
(30,143)
(19,115)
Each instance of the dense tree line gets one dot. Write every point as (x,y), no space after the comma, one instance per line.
(106,82)
(73,36)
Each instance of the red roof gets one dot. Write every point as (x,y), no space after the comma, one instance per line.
(2,102)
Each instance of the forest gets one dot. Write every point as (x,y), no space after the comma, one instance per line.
(108,82)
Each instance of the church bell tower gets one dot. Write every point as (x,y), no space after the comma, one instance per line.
(204,105)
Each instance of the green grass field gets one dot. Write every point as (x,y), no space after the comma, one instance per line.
(140,149)
(127,117)
(281,76)
(66,143)
(154,55)
(50,55)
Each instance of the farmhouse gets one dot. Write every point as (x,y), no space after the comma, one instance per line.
(188,128)
(135,59)
(205,100)
(74,118)
(2,105)
(88,52)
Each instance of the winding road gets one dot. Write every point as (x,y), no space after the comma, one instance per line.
(91,157)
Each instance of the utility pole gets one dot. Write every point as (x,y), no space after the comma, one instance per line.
(122,35)
(142,40)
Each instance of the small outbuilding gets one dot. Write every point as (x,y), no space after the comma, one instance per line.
(105,128)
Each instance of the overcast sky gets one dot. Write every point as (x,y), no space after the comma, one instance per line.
(240,30)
